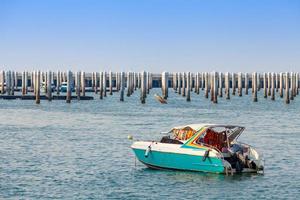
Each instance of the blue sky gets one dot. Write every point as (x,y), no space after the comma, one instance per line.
(155,35)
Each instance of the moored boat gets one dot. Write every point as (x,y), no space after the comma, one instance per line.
(200,147)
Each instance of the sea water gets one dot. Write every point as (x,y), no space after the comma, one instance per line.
(80,150)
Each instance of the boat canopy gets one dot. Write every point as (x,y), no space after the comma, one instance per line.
(187,131)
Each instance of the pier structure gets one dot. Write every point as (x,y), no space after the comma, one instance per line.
(47,85)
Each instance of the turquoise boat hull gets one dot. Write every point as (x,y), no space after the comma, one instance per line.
(166,160)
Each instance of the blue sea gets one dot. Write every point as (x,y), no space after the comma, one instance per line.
(80,150)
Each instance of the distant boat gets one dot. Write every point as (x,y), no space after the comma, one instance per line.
(43,87)
(64,87)
(200,147)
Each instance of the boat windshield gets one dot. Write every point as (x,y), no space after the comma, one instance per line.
(219,137)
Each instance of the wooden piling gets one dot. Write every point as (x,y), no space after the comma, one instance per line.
(188,85)
(164,82)
(240,84)
(297,83)
(77,84)
(220,85)
(292,85)
(206,84)
(101,84)
(233,83)
(58,82)
(23,83)
(179,83)
(49,88)
(273,86)
(7,77)
(128,84)
(254,85)
(93,81)
(134,80)
(269,84)
(37,87)
(69,89)
(82,81)
(110,83)
(148,82)
(13,82)
(202,81)
(276,81)
(265,85)
(214,93)
(122,86)
(227,85)
(16,80)
(143,87)
(287,88)
(281,85)
(174,80)
(183,84)
(246,83)
(96,82)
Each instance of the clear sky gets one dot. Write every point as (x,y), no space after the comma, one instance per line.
(155,35)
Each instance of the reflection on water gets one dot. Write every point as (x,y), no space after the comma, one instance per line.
(81,150)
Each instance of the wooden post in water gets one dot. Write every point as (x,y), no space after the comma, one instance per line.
(206,84)
(281,85)
(240,84)
(13,82)
(128,84)
(233,83)
(69,89)
(37,87)
(258,82)
(143,87)
(273,86)
(246,83)
(82,82)
(8,83)
(139,80)
(287,88)
(31,80)
(174,81)
(265,85)
(292,85)
(122,86)
(93,81)
(191,81)
(96,82)
(215,86)
(110,83)
(202,81)
(2,81)
(49,89)
(101,84)
(23,83)
(164,84)
(134,80)
(276,81)
(16,80)
(179,83)
(197,83)
(148,82)
(77,83)
(26,82)
(188,85)
(58,82)
(220,85)
(269,84)
(227,85)
(297,83)
(254,85)
(183,84)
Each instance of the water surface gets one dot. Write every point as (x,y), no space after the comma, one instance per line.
(80,150)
